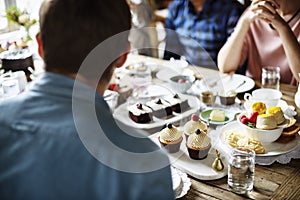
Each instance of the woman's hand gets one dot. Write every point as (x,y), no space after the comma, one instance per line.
(267,10)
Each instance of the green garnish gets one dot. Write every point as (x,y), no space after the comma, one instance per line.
(251,125)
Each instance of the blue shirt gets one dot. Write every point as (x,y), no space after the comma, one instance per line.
(61,142)
(199,36)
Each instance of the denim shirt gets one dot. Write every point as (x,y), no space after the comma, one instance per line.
(50,148)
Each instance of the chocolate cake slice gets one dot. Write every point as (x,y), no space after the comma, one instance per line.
(160,108)
(178,104)
(140,113)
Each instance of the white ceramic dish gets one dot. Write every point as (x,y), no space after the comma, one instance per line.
(264,136)
(200,169)
(166,73)
(176,65)
(150,91)
(185,181)
(272,149)
(121,113)
(219,82)
(204,116)
(140,68)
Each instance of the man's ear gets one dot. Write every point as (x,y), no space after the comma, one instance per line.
(122,59)
(40,45)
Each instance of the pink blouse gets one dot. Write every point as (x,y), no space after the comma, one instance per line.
(263,47)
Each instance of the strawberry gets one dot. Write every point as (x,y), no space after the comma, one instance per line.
(244,119)
(253,117)
(113,87)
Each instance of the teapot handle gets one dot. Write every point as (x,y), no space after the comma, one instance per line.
(247,97)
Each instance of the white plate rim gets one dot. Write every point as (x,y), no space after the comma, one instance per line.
(185,180)
(282,148)
(244,88)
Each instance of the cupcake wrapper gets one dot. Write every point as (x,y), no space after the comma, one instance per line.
(198,154)
(171,148)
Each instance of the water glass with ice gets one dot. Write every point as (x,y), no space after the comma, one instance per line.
(241,170)
(270,77)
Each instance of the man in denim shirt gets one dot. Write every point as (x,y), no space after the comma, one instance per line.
(58,140)
(197,29)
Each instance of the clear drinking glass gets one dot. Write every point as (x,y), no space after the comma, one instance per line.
(241,170)
(10,87)
(270,77)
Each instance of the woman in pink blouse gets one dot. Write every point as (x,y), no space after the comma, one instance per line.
(267,34)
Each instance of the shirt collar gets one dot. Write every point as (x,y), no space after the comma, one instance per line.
(65,86)
(206,7)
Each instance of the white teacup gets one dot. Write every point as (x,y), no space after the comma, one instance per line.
(270,97)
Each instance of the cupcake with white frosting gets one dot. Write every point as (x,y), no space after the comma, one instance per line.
(198,145)
(191,126)
(170,138)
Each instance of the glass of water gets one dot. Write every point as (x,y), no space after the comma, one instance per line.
(270,77)
(241,170)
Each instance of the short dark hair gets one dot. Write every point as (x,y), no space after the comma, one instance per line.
(70,29)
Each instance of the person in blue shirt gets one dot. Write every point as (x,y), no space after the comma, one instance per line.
(58,139)
(197,29)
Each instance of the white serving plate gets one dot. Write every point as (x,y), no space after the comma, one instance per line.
(185,181)
(200,169)
(166,73)
(219,82)
(121,113)
(272,149)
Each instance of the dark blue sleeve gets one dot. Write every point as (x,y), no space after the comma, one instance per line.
(234,13)
(173,47)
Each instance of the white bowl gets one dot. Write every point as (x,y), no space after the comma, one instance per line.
(264,136)
(181,87)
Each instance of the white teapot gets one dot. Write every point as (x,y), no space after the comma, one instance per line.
(297,96)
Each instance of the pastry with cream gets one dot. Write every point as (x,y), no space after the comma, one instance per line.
(259,107)
(266,122)
(191,126)
(278,114)
(170,138)
(198,145)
